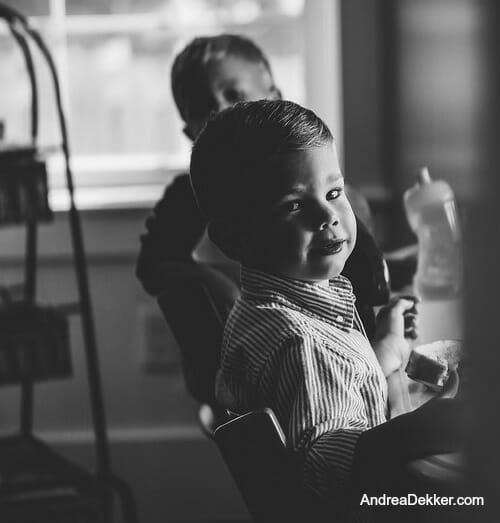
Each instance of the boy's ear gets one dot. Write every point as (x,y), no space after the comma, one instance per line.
(229,237)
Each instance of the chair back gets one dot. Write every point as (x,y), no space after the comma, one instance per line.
(253,447)
(197,328)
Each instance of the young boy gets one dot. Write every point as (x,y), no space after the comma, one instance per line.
(267,177)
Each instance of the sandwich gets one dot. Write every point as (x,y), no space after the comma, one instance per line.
(431,364)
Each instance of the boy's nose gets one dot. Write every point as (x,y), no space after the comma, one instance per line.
(326,217)
(325,225)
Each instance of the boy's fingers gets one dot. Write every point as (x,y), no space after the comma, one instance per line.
(402,306)
(412,297)
(413,335)
(410,319)
(411,325)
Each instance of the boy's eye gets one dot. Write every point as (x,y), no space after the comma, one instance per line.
(291,206)
(333,194)
(233,95)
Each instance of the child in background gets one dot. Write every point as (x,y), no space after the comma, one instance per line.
(267,178)
(209,74)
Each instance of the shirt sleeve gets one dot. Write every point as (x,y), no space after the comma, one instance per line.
(314,393)
(172,231)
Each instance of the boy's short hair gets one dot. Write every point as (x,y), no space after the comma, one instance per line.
(239,140)
(189,71)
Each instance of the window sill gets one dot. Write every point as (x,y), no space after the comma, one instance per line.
(108,197)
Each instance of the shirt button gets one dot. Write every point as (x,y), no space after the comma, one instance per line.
(340,318)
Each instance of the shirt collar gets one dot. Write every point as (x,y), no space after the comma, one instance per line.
(334,304)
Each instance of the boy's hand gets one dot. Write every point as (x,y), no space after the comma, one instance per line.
(395,322)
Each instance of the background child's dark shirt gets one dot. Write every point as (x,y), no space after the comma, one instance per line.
(173,230)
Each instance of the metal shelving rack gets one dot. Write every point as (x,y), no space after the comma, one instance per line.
(51,488)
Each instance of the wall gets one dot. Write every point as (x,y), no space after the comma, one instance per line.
(413,88)
(361,95)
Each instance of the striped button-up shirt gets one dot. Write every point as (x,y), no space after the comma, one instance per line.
(298,348)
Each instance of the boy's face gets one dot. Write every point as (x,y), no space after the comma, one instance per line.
(233,79)
(303,227)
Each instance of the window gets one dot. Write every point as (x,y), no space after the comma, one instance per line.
(114,59)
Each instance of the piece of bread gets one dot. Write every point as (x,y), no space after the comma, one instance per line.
(430,364)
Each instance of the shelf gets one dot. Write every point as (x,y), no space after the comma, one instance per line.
(36,484)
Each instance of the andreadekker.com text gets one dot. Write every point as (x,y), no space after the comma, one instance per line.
(427,500)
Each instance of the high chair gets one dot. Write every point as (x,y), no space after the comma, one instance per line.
(197,324)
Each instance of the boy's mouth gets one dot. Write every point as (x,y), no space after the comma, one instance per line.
(328,247)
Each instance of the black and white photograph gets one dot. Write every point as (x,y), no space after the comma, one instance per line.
(249,261)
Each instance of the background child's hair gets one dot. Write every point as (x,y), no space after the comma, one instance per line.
(189,71)
(236,141)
